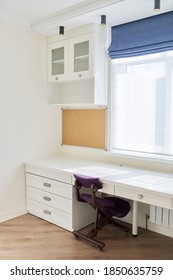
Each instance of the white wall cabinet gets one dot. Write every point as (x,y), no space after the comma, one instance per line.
(70,59)
(78,66)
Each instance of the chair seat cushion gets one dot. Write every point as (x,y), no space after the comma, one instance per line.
(121,207)
(113,206)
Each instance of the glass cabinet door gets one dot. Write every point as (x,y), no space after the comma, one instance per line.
(80,50)
(58,61)
(81,56)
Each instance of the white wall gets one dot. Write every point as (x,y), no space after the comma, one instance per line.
(28,127)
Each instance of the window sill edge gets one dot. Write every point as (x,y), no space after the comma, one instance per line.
(141,156)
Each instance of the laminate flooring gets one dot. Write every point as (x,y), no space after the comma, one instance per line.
(29,238)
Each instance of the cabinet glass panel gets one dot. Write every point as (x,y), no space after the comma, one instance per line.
(81,56)
(58,61)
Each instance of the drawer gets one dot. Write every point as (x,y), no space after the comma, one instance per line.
(54,174)
(49,185)
(108,189)
(50,214)
(50,199)
(144,196)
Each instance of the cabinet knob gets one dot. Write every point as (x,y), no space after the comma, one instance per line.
(79,75)
(140,196)
(47,198)
(56,78)
(47,185)
(46,212)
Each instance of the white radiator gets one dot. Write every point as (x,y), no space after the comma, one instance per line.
(161,216)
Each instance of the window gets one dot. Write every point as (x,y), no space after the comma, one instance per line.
(142,104)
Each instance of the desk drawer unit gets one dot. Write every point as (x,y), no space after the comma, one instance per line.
(50,199)
(143,196)
(55,202)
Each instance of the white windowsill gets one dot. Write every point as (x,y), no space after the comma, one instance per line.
(141,156)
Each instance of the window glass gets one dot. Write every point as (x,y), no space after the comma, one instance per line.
(142,104)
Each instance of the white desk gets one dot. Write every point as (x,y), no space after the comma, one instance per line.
(139,185)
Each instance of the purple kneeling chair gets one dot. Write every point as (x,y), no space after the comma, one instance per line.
(106,208)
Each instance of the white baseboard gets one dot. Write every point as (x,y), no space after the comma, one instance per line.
(13,214)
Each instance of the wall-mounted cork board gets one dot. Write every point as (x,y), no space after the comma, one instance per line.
(84,127)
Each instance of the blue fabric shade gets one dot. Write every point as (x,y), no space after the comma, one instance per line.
(150,35)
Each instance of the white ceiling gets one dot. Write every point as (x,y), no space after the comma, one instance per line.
(44,16)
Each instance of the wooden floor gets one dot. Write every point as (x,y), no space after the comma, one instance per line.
(28,237)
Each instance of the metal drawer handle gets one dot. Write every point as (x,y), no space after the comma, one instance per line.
(140,196)
(47,212)
(47,185)
(47,198)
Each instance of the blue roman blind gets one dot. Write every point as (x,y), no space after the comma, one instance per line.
(145,36)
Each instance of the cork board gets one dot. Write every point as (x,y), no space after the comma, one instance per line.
(84,127)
